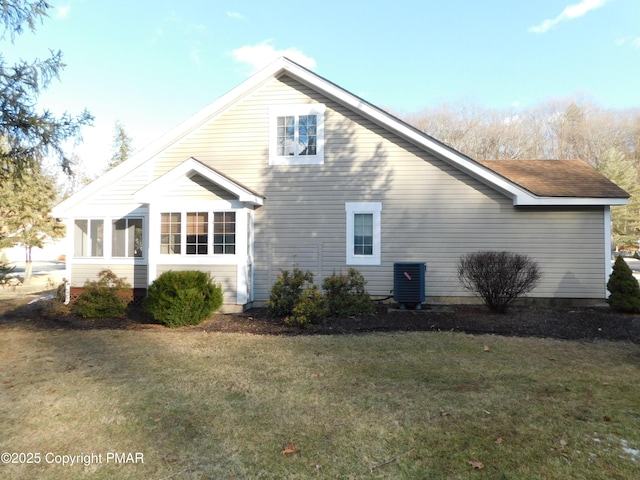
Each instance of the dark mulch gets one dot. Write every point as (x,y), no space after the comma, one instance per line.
(580,323)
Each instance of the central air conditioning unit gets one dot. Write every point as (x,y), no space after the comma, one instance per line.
(409,283)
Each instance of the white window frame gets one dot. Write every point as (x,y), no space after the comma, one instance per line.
(316,109)
(126,238)
(375,209)
(89,238)
(186,258)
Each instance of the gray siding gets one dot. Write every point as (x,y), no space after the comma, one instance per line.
(225,275)
(136,275)
(431,212)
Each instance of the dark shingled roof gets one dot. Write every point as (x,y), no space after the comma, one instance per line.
(556,178)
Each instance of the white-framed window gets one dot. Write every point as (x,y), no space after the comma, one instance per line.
(189,233)
(88,238)
(126,237)
(363,233)
(296,135)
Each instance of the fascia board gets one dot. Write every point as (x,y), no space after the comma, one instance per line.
(571,201)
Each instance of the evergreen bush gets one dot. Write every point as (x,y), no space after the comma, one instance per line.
(346,294)
(5,269)
(300,302)
(624,289)
(104,298)
(287,290)
(310,308)
(177,299)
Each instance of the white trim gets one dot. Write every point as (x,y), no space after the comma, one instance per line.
(607,248)
(317,109)
(188,168)
(284,65)
(353,208)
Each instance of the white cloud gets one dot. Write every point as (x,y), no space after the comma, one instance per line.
(569,13)
(236,16)
(63,12)
(261,55)
(633,42)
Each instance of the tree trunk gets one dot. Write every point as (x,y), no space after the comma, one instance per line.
(27,267)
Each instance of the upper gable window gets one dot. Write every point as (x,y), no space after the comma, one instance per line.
(297,135)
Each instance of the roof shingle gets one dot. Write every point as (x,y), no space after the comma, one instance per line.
(556,178)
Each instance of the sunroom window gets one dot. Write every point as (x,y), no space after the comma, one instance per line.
(88,238)
(170,233)
(193,237)
(197,233)
(126,237)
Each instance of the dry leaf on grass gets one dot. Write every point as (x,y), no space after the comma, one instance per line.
(476,464)
(499,440)
(289,449)
(486,348)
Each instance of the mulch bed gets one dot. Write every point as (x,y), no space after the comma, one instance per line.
(580,323)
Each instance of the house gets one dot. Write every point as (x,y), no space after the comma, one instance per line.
(290,169)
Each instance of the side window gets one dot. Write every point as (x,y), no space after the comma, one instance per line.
(297,135)
(126,237)
(88,238)
(363,233)
(170,235)
(224,233)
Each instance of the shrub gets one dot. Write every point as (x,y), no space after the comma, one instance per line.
(310,308)
(287,290)
(104,298)
(183,298)
(54,308)
(498,277)
(624,289)
(5,269)
(346,295)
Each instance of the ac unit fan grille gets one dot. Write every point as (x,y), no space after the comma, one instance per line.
(409,282)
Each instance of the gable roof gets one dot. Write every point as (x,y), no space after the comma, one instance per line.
(284,66)
(557,178)
(189,168)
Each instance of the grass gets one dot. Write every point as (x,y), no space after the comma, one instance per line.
(409,405)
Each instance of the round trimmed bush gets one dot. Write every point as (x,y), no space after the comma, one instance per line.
(176,299)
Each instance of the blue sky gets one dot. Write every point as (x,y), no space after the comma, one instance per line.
(152,64)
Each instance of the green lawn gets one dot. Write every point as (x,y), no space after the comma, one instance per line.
(193,405)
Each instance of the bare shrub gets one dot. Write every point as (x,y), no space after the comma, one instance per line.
(498,277)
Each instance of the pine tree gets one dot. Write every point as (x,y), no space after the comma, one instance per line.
(122,145)
(25,219)
(624,289)
(27,136)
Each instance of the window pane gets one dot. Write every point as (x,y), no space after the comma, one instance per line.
(81,238)
(197,233)
(135,237)
(224,229)
(363,234)
(307,134)
(118,237)
(286,135)
(169,233)
(97,240)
